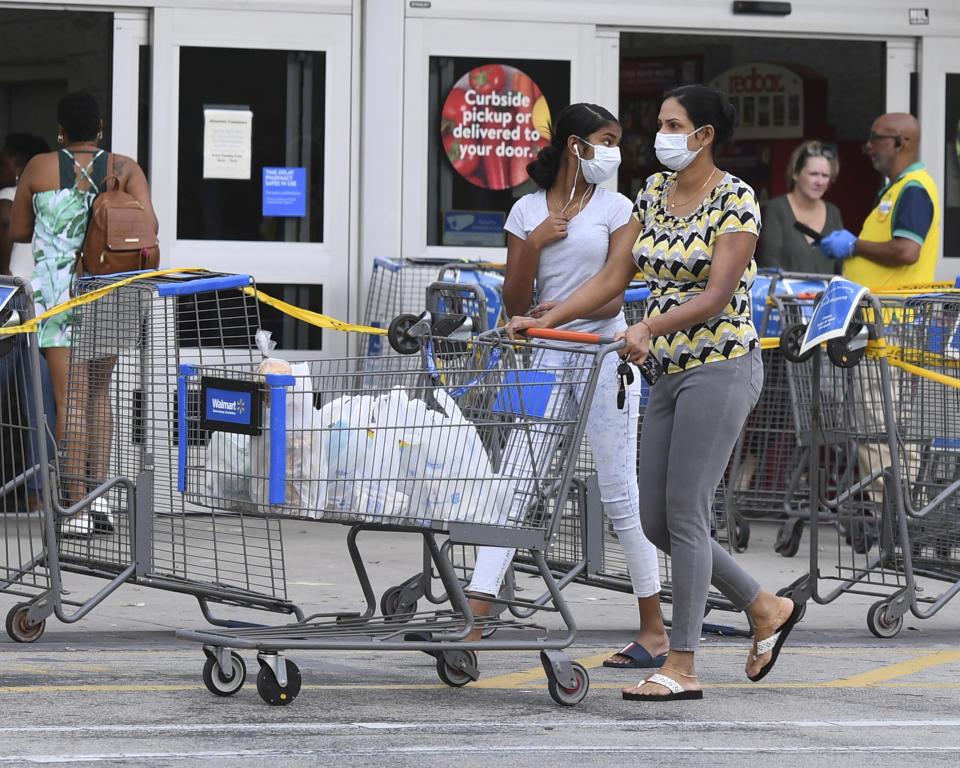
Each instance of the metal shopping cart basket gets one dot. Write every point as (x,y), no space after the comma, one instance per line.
(397,287)
(116,470)
(897,494)
(24,567)
(458,441)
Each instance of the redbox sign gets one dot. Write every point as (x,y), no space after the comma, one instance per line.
(494,121)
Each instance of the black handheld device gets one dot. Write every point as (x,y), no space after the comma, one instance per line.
(808,231)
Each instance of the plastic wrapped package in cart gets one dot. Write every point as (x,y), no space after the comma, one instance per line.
(306,465)
(395,456)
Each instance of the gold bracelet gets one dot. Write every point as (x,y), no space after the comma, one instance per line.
(649,329)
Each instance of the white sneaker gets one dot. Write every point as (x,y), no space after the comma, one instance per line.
(77,526)
(102,517)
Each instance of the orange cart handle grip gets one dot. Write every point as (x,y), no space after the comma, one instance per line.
(556,335)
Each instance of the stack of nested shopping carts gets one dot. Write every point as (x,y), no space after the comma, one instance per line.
(768,473)
(470,438)
(884,407)
(109,506)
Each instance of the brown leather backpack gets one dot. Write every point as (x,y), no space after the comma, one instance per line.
(120,235)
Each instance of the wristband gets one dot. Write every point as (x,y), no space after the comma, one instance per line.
(649,329)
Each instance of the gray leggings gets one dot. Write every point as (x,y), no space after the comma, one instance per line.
(689,430)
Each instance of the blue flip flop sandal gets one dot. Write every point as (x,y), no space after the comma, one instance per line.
(641,658)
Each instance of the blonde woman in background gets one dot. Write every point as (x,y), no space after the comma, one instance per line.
(813,167)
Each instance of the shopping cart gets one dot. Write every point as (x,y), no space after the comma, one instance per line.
(24,568)
(114,510)
(464,441)
(766,478)
(893,489)
(397,287)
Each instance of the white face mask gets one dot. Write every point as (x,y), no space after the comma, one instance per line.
(602,165)
(671,149)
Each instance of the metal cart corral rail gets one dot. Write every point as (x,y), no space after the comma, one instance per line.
(114,511)
(466,439)
(892,386)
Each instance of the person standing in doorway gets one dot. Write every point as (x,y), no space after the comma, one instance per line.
(51,210)
(16,259)
(812,168)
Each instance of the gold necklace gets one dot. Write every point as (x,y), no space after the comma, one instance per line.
(674,204)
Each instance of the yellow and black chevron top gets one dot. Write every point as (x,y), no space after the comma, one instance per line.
(674,255)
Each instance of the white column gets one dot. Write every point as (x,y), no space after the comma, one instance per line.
(901,62)
(130,31)
(381,135)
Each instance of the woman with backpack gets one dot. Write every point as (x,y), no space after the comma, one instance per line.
(51,210)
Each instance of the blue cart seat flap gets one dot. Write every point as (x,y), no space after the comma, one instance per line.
(202,284)
(525,393)
(947,443)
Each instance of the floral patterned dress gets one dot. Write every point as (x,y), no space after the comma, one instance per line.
(58,232)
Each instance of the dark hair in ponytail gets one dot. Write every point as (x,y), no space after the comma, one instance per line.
(707,106)
(575,120)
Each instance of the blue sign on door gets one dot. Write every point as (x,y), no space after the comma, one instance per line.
(284,191)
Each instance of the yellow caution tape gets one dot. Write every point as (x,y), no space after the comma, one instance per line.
(310,317)
(33,324)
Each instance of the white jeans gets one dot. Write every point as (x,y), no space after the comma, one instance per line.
(612,434)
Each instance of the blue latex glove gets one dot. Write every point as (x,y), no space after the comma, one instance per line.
(838,245)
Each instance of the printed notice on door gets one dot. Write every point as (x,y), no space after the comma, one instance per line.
(227,139)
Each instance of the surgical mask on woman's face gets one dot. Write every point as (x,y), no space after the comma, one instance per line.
(602,166)
(671,149)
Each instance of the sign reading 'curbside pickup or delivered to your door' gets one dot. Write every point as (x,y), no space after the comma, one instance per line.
(494,121)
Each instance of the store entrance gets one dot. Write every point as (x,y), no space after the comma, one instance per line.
(45,55)
(786,90)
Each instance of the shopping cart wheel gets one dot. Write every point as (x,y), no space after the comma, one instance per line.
(397,334)
(565,696)
(861,534)
(19,626)
(269,688)
(392,607)
(790,341)
(216,681)
(457,668)
(741,535)
(879,624)
(788,538)
(839,353)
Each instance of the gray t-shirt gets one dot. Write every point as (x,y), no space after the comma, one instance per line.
(568,263)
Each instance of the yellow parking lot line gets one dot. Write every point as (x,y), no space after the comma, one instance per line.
(893,671)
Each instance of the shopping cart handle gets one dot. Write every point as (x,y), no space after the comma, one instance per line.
(554,334)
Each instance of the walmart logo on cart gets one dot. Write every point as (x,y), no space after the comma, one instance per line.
(223,405)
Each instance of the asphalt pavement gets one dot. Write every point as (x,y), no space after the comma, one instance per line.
(120,688)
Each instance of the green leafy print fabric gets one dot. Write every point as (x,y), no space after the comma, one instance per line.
(61,223)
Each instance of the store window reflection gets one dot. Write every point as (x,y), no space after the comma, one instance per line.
(486,120)
(243,111)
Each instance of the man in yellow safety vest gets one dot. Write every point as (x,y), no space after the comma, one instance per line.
(899,239)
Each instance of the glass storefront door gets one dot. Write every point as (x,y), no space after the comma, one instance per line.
(256,139)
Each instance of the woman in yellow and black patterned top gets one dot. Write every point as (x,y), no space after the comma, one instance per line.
(696,233)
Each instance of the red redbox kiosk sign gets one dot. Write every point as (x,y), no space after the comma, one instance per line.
(494,121)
